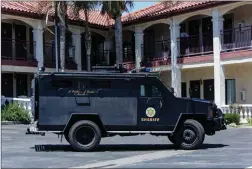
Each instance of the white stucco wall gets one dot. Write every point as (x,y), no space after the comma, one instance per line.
(242,13)
(240,72)
(243,80)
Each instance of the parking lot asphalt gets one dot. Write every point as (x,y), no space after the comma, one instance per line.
(227,149)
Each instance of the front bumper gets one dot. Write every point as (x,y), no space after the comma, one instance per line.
(219,122)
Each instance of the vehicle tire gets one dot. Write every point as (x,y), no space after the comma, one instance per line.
(84,135)
(190,136)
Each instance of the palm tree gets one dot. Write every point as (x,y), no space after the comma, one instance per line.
(114,10)
(61,7)
(86,6)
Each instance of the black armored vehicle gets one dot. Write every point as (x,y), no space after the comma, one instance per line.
(85,107)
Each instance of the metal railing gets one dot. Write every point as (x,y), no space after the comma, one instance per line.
(13,49)
(128,55)
(237,38)
(49,54)
(158,50)
(193,45)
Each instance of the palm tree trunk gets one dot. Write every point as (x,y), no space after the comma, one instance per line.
(118,40)
(62,15)
(88,42)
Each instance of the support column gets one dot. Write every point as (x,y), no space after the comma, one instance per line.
(76,39)
(138,47)
(219,76)
(175,70)
(14,85)
(39,46)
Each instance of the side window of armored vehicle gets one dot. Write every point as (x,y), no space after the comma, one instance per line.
(155,92)
(149,91)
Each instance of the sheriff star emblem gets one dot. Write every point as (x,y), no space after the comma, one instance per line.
(150,112)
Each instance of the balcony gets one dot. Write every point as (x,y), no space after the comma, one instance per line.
(156,54)
(195,48)
(108,58)
(18,52)
(236,42)
(236,39)
(50,59)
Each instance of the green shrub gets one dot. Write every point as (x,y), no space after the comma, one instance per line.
(249,120)
(14,112)
(232,118)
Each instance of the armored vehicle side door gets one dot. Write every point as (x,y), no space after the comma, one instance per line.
(150,107)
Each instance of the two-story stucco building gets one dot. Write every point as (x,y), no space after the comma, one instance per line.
(202,48)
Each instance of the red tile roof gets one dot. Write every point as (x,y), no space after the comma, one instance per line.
(96,18)
(35,7)
(162,8)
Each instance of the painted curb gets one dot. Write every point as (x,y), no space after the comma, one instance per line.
(230,127)
(14,123)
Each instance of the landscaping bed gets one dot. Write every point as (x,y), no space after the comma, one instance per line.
(13,113)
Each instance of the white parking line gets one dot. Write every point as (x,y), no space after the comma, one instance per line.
(249,167)
(136,159)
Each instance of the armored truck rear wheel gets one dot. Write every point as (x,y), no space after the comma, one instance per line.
(84,135)
(190,136)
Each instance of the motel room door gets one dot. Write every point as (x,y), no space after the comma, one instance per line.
(209,89)
(195,89)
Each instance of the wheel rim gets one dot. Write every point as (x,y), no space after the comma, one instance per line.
(85,135)
(189,135)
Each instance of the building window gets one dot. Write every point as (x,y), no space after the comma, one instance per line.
(230,91)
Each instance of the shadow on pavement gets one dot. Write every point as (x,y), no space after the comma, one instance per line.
(120,147)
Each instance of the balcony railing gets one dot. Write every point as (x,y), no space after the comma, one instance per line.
(50,59)
(158,49)
(237,38)
(193,45)
(102,57)
(128,54)
(156,54)
(19,50)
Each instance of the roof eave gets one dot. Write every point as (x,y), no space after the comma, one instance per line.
(174,13)
(34,15)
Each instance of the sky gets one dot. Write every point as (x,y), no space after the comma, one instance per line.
(140,5)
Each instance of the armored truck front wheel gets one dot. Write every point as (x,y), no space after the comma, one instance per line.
(190,136)
(84,135)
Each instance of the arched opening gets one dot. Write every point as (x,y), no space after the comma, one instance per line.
(98,54)
(196,35)
(17,40)
(237,28)
(49,47)
(156,42)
